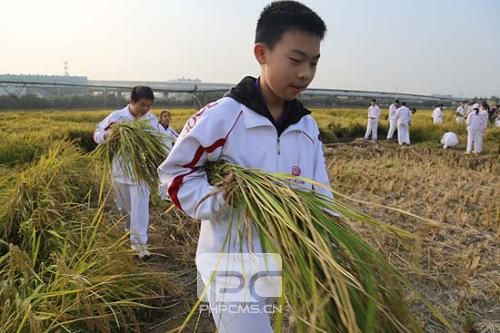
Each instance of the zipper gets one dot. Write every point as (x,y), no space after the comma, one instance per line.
(278,149)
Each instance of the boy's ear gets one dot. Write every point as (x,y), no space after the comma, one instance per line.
(260,53)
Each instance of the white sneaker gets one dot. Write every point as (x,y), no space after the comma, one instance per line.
(143,254)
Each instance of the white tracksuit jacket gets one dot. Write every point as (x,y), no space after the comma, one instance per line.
(232,131)
(437,116)
(171,135)
(116,117)
(475,126)
(393,112)
(228,130)
(403,117)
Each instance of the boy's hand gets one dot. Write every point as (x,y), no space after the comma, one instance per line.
(227,184)
(108,130)
(107,133)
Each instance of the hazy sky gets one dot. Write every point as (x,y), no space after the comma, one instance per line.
(419,46)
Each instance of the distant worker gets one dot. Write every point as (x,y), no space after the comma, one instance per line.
(470,106)
(449,139)
(393,110)
(165,119)
(403,118)
(373,115)
(437,115)
(475,128)
(460,114)
(171,136)
(484,112)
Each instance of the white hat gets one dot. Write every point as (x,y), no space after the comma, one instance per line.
(475,106)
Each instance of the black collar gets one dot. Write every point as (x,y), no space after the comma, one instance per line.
(248,93)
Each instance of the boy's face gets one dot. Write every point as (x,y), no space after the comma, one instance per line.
(141,107)
(291,65)
(165,119)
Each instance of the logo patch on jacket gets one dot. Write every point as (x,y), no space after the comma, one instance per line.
(296,172)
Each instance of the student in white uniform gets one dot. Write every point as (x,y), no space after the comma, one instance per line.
(449,139)
(475,127)
(460,114)
(373,115)
(393,110)
(131,196)
(403,118)
(484,112)
(437,115)
(171,137)
(259,124)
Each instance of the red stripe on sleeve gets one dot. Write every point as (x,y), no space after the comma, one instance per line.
(174,187)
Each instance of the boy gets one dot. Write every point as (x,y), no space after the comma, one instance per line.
(403,120)
(259,124)
(475,127)
(449,139)
(373,115)
(437,115)
(131,196)
(393,110)
(460,114)
(165,118)
(171,136)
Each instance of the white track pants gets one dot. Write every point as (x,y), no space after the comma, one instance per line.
(474,138)
(392,128)
(133,201)
(371,128)
(230,316)
(229,319)
(403,134)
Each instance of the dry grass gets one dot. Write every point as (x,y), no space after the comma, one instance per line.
(64,266)
(457,268)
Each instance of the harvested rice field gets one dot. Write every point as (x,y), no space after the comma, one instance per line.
(65,262)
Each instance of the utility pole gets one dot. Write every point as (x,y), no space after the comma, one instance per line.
(66,71)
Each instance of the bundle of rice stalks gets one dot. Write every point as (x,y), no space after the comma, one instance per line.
(137,148)
(63,264)
(89,283)
(333,281)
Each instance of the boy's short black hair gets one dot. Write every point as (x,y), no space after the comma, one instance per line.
(139,92)
(374,100)
(403,103)
(279,17)
(165,111)
(396,101)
